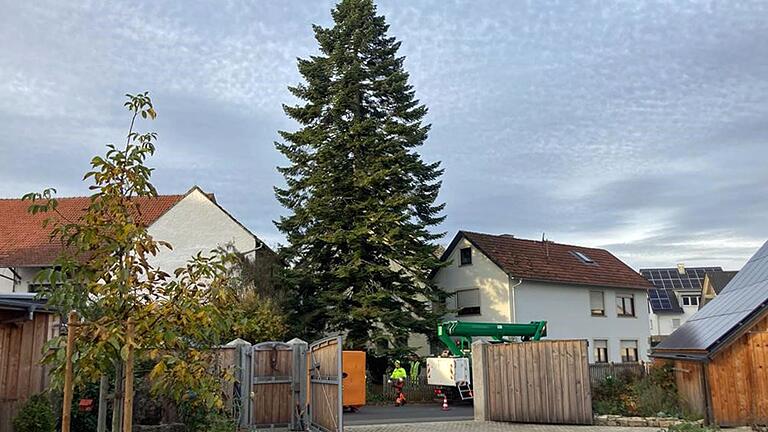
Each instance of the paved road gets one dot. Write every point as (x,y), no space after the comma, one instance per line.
(411,413)
(469,426)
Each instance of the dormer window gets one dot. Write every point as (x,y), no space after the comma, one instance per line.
(466,256)
(583,257)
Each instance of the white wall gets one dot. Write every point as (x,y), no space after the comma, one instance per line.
(566,308)
(193,225)
(483,274)
(6,285)
(21,286)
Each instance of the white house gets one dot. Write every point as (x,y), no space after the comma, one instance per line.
(583,293)
(677,295)
(191,223)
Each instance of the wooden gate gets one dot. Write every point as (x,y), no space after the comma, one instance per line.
(532,382)
(272,372)
(324,366)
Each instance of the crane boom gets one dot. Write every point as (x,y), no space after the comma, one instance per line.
(465,331)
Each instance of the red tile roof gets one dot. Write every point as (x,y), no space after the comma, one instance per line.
(553,262)
(25,243)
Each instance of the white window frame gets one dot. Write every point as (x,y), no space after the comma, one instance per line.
(596,348)
(620,312)
(591,306)
(690,299)
(459,308)
(622,348)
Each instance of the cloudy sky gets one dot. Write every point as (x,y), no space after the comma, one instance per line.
(637,126)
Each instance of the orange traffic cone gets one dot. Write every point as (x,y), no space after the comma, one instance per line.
(445,403)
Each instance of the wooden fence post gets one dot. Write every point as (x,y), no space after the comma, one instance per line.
(101,423)
(66,409)
(479,381)
(128,396)
(117,397)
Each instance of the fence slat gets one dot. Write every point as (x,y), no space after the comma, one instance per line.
(541,381)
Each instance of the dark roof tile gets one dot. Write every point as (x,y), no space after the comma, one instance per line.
(554,262)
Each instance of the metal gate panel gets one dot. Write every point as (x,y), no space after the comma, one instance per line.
(272,379)
(324,366)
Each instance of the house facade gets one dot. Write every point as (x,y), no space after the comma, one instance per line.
(675,297)
(193,222)
(582,293)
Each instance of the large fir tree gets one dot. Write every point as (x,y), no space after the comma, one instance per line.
(361,200)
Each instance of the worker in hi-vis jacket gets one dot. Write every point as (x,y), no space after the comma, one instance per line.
(397,378)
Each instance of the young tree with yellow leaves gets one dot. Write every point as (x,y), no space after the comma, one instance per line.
(106,275)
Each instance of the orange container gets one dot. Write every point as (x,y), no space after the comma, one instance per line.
(354,378)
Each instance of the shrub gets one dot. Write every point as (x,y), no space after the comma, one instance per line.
(657,393)
(36,415)
(611,396)
(651,396)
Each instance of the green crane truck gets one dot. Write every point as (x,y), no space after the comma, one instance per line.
(452,374)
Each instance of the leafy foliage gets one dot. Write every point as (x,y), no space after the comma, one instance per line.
(653,395)
(657,394)
(107,275)
(361,199)
(612,396)
(257,297)
(36,415)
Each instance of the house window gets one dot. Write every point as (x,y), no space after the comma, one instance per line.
(468,302)
(597,303)
(629,351)
(601,351)
(466,256)
(625,305)
(690,300)
(583,257)
(675,323)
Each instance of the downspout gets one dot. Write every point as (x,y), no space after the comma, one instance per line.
(261,245)
(512,300)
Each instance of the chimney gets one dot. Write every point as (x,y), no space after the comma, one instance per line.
(681,268)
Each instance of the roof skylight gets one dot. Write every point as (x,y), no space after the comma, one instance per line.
(583,257)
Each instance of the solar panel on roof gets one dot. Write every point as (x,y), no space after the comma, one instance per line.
(670,278)
(743,297)
(660,300)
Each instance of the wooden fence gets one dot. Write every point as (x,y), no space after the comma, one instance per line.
(532,382)
(420,391)
(598,372)
(21,348)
